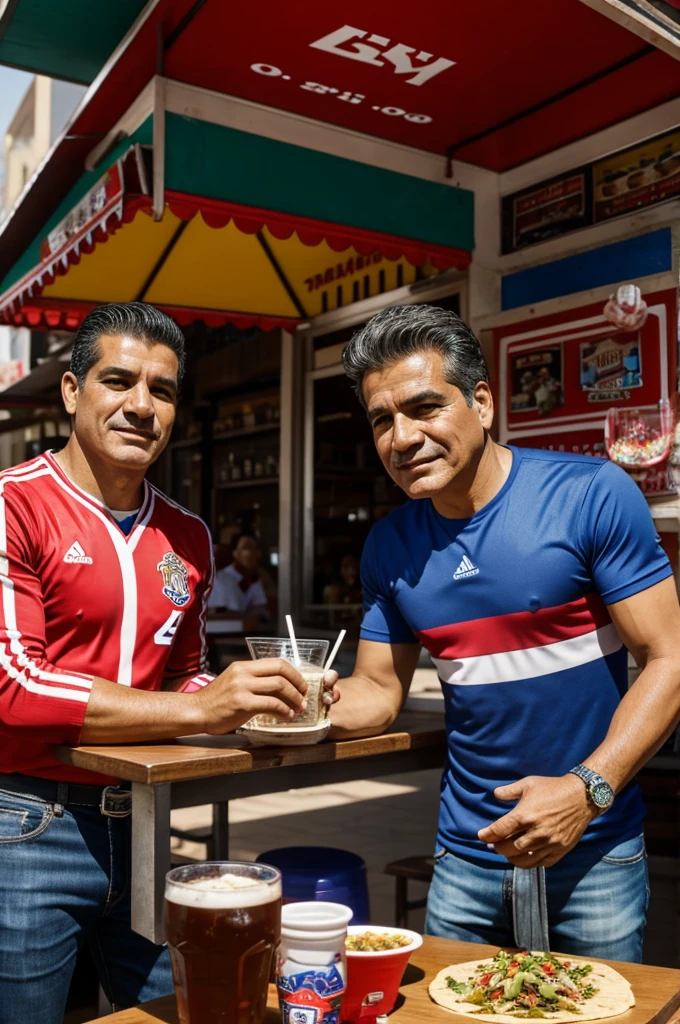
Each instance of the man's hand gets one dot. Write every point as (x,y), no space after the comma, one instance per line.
(267,686)
(550,818)
(331,694)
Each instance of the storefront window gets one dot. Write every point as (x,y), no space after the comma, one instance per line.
(351,492)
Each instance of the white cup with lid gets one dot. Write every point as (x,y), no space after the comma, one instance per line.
(311,971)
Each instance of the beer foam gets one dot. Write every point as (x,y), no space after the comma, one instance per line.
(223,892)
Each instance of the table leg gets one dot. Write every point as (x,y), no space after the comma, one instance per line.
(150,857)
(219,845)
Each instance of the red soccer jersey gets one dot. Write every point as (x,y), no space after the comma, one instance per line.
(81,599)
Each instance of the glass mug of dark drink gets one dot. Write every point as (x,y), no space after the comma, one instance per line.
(223,926)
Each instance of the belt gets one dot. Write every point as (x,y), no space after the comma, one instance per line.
(111,801)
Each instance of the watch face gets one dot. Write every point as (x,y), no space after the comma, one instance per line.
(602,794)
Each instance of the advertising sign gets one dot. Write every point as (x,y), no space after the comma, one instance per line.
(631,179)
(551,209)
(637,177)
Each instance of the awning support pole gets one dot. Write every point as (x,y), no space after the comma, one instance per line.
(159,148)
(162,260)
(278,269)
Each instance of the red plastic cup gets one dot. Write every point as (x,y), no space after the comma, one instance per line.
(373,979)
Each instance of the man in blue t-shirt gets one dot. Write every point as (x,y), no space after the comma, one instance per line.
(526,574)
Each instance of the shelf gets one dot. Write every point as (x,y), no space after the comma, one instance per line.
(259,428)
(259,481)
(189,442)
(360,475)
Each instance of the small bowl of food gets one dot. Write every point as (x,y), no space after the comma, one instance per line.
(377,957)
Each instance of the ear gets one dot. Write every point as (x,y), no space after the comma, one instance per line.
(69,392)
(483,402)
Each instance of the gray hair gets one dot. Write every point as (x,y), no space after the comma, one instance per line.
(400,331)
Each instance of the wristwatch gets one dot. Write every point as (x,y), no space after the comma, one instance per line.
(599,791)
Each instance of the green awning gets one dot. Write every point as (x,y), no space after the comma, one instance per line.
(204,159)
(223,164)
(250,231)
(69,39)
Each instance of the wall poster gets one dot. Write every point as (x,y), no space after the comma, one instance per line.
(536,380)
(637,177)
(545,211)
(610,366)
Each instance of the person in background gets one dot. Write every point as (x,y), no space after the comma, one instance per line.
(348,589)
(238,602)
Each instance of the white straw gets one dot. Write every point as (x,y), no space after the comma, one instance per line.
(335,650)
(291,634)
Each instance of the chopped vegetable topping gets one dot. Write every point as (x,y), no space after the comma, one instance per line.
(376,942)
(526,985)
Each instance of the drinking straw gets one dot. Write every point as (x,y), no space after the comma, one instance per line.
(293,641)
(335,650)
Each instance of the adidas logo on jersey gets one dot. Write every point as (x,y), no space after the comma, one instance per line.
(76,554)
(465,569)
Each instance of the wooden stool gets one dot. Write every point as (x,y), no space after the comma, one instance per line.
(416,869)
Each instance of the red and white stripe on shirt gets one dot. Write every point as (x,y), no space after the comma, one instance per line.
(522,645)
(81,599)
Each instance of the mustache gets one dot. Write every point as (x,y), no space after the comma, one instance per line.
(399,459)
(143,428)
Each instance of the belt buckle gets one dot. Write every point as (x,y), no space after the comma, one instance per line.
(115,803)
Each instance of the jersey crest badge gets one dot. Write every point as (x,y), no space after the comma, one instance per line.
(175,575)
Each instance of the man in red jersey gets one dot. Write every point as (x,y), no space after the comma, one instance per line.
(104,583)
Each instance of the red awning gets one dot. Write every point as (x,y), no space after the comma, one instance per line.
(492,84)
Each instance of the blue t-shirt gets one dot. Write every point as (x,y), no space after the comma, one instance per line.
(511,604)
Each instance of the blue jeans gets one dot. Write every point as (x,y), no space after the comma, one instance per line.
(64,881)
(597,903)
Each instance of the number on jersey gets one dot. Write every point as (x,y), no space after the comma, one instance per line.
(166,634)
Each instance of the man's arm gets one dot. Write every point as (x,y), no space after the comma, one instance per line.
(120,714)
(374,694)
(48,701)
(553,813)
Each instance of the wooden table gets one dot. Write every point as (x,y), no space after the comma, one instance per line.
(656,989)
(208,769)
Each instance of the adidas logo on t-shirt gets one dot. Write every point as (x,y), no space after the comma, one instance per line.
(76,554)
(465,569)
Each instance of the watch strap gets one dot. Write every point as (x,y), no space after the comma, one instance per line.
(592,779)
(587,775)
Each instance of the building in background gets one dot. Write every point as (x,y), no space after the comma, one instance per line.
(44,110)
